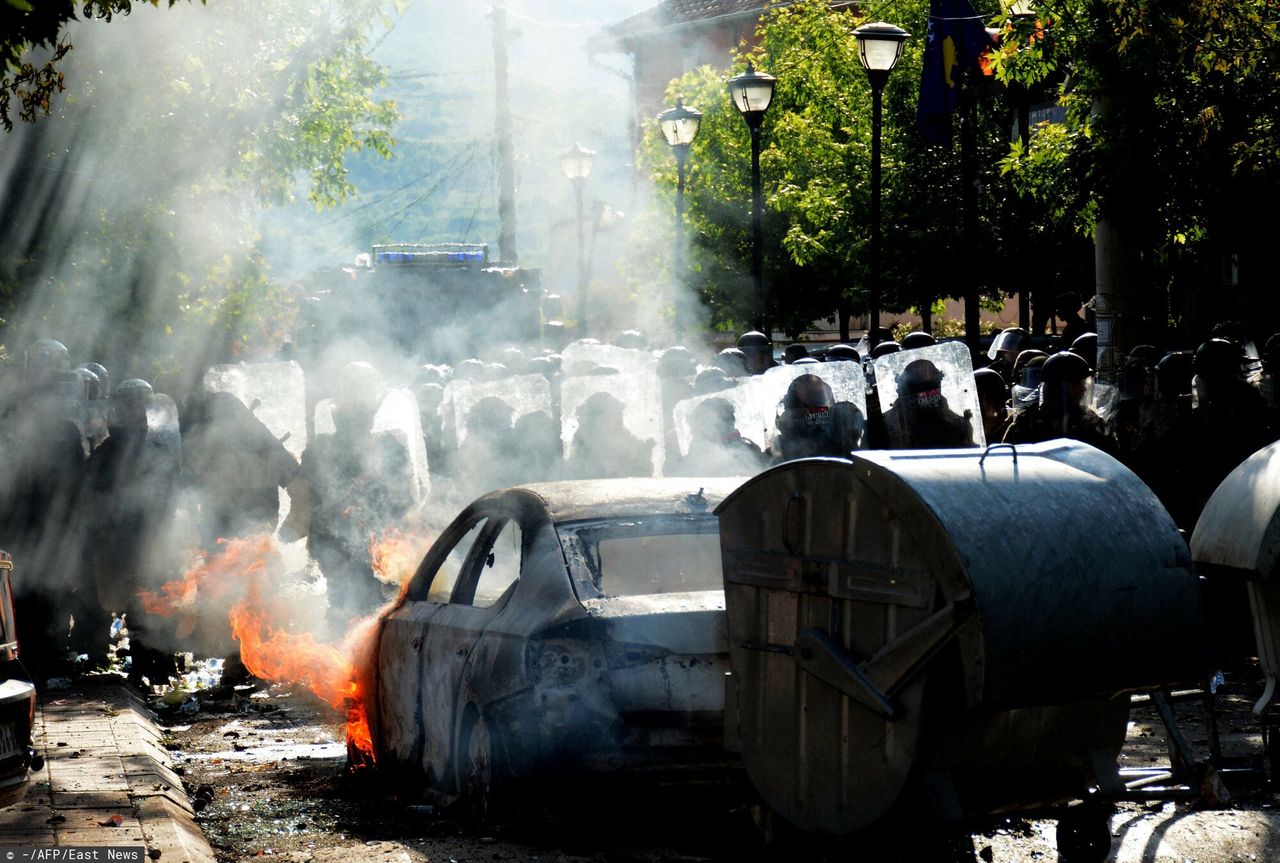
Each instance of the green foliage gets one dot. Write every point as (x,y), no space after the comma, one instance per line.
(816,168)
(1172,109)
(237,106)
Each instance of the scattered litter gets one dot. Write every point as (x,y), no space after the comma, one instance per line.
(190,706)
(113,821)
(58,683)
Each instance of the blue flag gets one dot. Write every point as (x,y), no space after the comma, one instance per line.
(956,38)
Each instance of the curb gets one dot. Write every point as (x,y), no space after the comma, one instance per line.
(107,779)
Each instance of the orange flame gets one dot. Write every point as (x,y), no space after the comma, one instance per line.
(272,652)
(396,553)
(213,575)
(246,572)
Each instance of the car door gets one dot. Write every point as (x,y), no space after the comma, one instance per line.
(408,688)
(476,596)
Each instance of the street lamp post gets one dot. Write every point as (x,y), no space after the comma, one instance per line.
(752,92)
(679,126)
(879,47)
(576,165)
(1020,11)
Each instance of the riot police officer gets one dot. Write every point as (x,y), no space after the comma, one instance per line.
(758,350)
(1062,410)
(353,484)
(1005,349)
(41,484)
(133,476)
(920,417)
(811,423)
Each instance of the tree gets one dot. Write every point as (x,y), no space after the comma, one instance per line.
(128,220)
(816,169)
(1169,144)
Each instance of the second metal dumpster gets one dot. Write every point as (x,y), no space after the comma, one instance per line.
(948,626)
(1237,537)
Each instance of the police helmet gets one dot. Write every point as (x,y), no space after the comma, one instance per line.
(677,362)
(104,378)
(989,384)
(471,369)
(1026,357)
(1218,359)
(1173,375)
(754,340)
(1065,367)
(134,388)
(1086,347)
(733,361)
(711,380)
(358,384)
(917,339)
(46,356)
(889,347)
(92,384)
(843,353)
(807,392)
(1011,339)
(918,376)
(794,352)
(1032,370)
(1271,352)
(631,339)
(1148,354)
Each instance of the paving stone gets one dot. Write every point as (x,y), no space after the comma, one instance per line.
(123,770)
(114,800)
(173,831)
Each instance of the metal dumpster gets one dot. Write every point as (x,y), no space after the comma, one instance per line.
(1237,538)
(952,628)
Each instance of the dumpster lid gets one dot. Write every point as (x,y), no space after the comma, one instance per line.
(1239,526)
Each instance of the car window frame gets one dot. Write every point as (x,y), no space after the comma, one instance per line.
(464,588)
(581,561)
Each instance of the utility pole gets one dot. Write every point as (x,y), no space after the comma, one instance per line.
(969,207)
(506,147)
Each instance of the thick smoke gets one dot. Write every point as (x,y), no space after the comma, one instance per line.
(134,233)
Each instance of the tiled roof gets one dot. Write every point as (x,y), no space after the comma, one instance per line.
(682,13)
(673,13)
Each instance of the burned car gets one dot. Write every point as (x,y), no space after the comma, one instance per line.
(557,629)
(17,702)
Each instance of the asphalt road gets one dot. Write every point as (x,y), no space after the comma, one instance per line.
(268,771)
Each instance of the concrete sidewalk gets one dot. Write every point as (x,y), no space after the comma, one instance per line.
(107,779)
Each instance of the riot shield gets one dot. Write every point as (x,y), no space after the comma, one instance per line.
(928,398)
(275,392)
(611,419)
(580,357)
(757,400)
(162,425)
(524,394)
(1104,398)
(398,417)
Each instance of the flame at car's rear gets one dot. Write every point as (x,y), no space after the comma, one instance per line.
(247,573)
(273,652)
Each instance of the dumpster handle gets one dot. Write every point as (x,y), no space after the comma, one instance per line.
(788,542)
(987,452)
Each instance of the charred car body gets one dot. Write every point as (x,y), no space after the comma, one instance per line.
(554,629)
